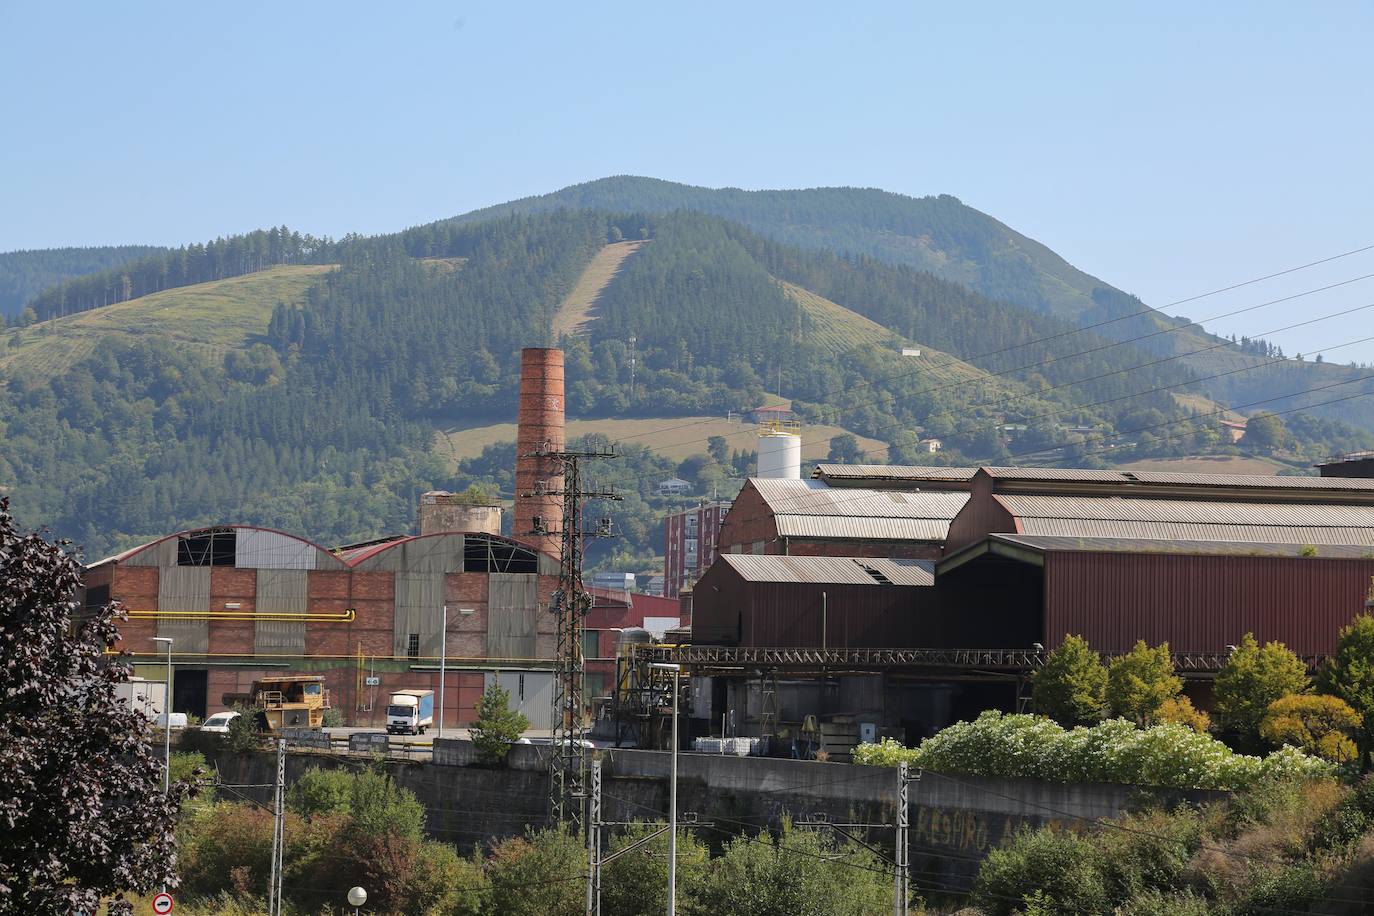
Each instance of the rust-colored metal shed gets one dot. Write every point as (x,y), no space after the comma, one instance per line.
(1199,596)
(836,602)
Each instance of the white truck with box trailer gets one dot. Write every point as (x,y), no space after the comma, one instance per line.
(409,712)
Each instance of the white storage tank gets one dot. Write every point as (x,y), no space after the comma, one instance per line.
(779,455)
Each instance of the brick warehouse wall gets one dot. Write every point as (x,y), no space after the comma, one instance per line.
(331,648)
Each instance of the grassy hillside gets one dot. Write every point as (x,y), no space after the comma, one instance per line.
(208,317)
(577,309)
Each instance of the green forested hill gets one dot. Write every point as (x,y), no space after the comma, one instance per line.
(944,237)
(314,408)
(24,274)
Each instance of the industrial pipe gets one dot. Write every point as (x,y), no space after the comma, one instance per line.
(347,616)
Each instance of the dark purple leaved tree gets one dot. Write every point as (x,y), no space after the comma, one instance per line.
(83,816)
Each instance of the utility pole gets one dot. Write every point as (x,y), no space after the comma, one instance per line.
(633,360)
(571,602)
(900,858)
(594,842)
(278,833)
(903,875)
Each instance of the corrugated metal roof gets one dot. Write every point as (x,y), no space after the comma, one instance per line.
(1188,531)
(1196,512)
(891,472)
(1084,474)
(1178,478)
(808,497)
(828,570)
(835,527)
(808,508)
(1049,543)
(327,561)
(1244,480)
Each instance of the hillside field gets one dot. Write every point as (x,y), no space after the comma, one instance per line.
(840,330)
(1209,464)
(213,316)
(682,436)
(576,310)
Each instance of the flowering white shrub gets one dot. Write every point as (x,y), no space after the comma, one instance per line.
(1021,746)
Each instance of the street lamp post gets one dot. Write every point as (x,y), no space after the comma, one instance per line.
(672,793)
(356,898)
(443,659)
(167,720)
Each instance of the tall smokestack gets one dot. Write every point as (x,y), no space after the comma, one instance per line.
(540,428)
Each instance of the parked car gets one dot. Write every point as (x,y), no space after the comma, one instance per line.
(219,722)
(178,720)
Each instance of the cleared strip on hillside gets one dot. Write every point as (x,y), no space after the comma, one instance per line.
(840,329)
(459,442)
(577,309)
(210,317)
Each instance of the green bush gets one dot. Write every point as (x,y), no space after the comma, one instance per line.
(1071,688)
(1318,725)
(1152,851)
(332,718)
(798,872)
(497,727)
(1031,747)
(1253,678)
(636,884)
(1054,870)
(1155,903)
(321,791)
(378,806)
(1139,682)
(243,736)
(538,875)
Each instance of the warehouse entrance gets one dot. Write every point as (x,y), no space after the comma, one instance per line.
(189,690)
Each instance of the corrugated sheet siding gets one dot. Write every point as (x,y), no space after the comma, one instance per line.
(160,554)
(419,609)
(1202,604)
(258,549)
(889,529)
(183,588)
(281,591)
(512,608)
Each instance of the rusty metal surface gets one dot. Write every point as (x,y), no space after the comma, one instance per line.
(829,570)
(880,659)
(1201,604)
(540,428)
(1174,546)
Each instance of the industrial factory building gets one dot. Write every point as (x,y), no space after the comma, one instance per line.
(1021,557)
(243,602)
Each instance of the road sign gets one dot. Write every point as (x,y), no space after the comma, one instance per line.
(373,681)
(162,904)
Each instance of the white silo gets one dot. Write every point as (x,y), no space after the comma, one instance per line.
(779,455)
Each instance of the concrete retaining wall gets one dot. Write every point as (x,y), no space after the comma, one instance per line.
(954,820)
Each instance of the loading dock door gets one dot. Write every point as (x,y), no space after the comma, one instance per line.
(189,690)
(531,692)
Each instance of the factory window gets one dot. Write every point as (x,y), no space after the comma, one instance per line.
(208,547)
(97,596)
(484,554)
(758,547)
(413,647)
(591,643)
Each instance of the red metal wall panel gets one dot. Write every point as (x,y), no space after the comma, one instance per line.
(982,515)
(1202,604)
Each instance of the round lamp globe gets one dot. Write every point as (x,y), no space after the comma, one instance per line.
(356,896)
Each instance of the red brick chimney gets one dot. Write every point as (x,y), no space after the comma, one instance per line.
(540,428)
